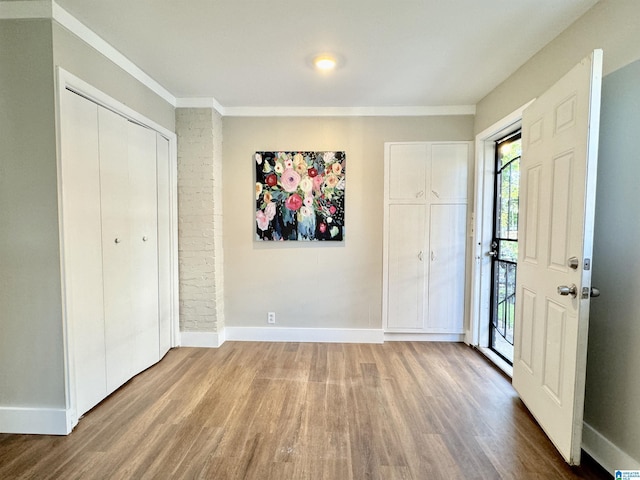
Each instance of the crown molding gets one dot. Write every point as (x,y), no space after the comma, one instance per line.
(349,111)
(200,102)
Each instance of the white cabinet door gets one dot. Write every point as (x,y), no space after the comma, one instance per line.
(426,185)
(407,172)
(82,247)
(164,243)
(143,228)
(447,262)
(449,172)
(116,247)
(406,266)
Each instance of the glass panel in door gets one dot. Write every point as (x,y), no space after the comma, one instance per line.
(505,245)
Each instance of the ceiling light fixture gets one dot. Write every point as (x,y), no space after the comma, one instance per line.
(325,63)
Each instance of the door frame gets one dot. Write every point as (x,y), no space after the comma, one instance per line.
(66,80)
(482,222)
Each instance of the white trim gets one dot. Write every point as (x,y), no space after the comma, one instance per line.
(201,339)
(25,9)
(313,335)
(200,102)
(423,337)
(44,421)
(483,223)
(605,452)
(348,111)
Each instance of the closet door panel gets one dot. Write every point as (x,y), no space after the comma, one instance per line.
(164,243)
(447,268)
(449,172)
(407,172)
(82,242)
(116,253)
(143,207)
(406,283)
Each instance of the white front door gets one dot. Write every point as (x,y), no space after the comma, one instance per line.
(557,203)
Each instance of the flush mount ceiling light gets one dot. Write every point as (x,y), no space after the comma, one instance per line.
(325,62)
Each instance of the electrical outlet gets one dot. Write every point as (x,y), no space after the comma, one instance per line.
(271,317)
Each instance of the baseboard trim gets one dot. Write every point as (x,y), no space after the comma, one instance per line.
(201,339)
(423,337)
(306,335)
(41,421)
(605,452)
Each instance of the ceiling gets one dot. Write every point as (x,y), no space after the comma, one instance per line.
(394,53)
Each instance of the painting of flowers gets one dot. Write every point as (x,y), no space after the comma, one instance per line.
(300,195)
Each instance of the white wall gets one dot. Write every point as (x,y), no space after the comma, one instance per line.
(336,285)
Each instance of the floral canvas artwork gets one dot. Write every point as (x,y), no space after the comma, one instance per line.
(300,195)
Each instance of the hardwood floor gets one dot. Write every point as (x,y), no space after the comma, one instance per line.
(303,411)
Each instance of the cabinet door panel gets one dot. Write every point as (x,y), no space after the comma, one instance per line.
(447,268)
(407,172)
(82,241)
(116,252)
(164,243)
(449,172)
(406,266)
(142,215)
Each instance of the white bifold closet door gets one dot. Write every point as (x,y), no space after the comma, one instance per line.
(80,175)
(116,211)
(143,227)
(164,242)
(129,238)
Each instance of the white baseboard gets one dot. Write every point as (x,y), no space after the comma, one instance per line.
(605,452)
(423,337)
(201,339)
(43,421)
(317,335)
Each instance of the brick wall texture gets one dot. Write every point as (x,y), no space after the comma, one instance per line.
(200,253)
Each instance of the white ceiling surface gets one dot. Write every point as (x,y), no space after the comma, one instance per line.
(397,53)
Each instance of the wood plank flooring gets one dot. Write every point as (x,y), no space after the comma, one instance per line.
(303,411)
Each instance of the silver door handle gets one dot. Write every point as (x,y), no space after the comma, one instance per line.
(117,240)
(492,253)
(570,290)
(595,292)
(420,255)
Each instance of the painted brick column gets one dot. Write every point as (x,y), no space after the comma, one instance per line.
(200,254)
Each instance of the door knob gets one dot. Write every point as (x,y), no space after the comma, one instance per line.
(570,290)
(595,292)
(492,253)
